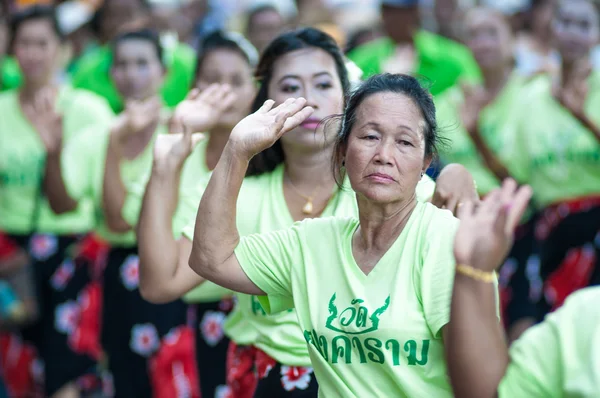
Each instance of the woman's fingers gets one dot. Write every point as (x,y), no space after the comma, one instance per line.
(227,101)
(266,107)
(295,120)
(465,211)
(518,205)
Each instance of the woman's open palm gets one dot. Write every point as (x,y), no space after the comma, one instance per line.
(201,110)
(485,235)
(261,129)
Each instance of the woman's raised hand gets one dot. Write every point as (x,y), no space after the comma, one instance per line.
(485,235)
(264,127)
(201,110)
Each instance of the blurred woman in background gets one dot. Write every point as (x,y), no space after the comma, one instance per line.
(36,121)
(478,120)
(558,143)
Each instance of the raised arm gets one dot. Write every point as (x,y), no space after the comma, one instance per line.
(164,271)
(476,350)
(136,117)
(216,235)
(475,100)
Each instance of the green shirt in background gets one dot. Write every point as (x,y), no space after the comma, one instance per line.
(493,123)
(375,335)
(23,157)
(261,208)
(84,179)
(92,73)
(561,157)
(194,173)
(10,74)
(560,357)
(441,62)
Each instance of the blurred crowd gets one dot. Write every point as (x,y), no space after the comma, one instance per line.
(86,86)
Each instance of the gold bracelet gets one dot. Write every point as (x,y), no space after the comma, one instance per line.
(477,274)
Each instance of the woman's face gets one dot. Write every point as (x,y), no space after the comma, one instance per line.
(489,38)
(37,48)
(385,152)
(310,73)
(137,72)
(229,67)
(575,28)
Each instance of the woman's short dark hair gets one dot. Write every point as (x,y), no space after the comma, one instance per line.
(386,83)
(286,43)
(148,35)
(33,13)
(219,40)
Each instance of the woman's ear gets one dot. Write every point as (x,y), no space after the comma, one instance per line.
(426,163)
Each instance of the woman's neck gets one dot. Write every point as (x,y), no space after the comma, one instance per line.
(137,143)
(494,79)
(29,90)
(217,139)
(380,225)
(569,70)
(307,170)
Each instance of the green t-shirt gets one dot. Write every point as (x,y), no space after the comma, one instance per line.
(442,62)
(194,173)
(23,157)
(368,335)
(85,181)
(493,123)
(92,73)
(10,74)
(261,208)
(561,157)
(561,356)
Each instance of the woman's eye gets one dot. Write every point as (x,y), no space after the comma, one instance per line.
(369,137)
(324,86)
(289,89)
(405,143)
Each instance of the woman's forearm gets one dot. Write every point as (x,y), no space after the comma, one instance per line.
(590,125)
(164,271)
(476,350)
(489,157)
(54,185)
(114,191)
(216,235)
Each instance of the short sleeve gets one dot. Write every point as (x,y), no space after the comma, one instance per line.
(425,188)
(267,259)
(437,272)
(534,369)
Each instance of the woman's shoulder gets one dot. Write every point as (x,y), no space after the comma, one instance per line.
(436,221)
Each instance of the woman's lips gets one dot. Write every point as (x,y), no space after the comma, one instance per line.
(310,124)
(381,177)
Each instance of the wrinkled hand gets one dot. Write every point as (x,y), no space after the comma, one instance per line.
(454,187)
(171,150)
(475,99)
(200,111)
(573,93)
(42,114)
(263,128)
(137,116)
(485,234)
